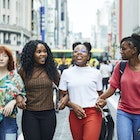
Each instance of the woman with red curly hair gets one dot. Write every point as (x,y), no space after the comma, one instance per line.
(11,85)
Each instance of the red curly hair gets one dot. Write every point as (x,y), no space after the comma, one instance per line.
(10,65)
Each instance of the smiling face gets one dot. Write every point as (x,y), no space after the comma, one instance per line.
(3,60)
(80,55)
(40,54)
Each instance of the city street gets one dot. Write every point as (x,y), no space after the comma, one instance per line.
(62,129)
(36,35)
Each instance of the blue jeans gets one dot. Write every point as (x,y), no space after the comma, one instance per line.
(128,126)
(8,129)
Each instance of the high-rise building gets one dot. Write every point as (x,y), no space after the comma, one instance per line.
(19,22)
(15,23)
(56,23)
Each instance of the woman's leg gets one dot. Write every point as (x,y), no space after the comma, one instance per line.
(136,127)
(39,125)
(87,128)
(30,126)
(103,83)
(8,129)
(92,124)
(47,124)
(75,126)
(124,125)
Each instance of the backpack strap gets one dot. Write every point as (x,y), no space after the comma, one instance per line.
(122,67)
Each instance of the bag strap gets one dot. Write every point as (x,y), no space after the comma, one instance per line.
(122,67)
(55,86)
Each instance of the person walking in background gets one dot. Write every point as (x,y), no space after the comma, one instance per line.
(82,85)
(110,66)
(39,72)
(105,71)
(128,112)
(11,85)
(63,66)
(92,63)
(99,64)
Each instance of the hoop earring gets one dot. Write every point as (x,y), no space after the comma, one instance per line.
(139,56)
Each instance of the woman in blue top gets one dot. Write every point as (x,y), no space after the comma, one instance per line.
(11,85)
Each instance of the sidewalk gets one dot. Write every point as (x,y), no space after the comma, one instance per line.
(62,130)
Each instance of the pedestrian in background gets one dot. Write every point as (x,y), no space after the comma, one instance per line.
(92,63)
(39,72)
(83,84)
(110,66)
(63,66)
(11,85)
(105,72)
(128,112)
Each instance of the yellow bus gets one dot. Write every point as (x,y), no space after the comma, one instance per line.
(58,54)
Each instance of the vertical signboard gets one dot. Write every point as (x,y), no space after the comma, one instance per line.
(109,41)
(42,22)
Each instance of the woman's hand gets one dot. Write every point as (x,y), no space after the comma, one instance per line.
(79,111)
(8,109)
(100,104)
(63,102)
(21,102)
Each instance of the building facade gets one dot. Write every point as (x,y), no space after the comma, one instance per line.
(15,23)
(19,22)
(56,23)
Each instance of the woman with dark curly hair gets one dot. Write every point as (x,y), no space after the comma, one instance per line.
(38,72)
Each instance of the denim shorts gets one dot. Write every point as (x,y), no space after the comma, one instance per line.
(8,129)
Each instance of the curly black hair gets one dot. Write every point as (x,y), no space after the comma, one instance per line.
(86,44)
(136,41)
(124,39)
(28,62)
(75,44)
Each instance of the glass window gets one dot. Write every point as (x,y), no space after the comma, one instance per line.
(8,19)
(8,4)
(3,3)
(3,18)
